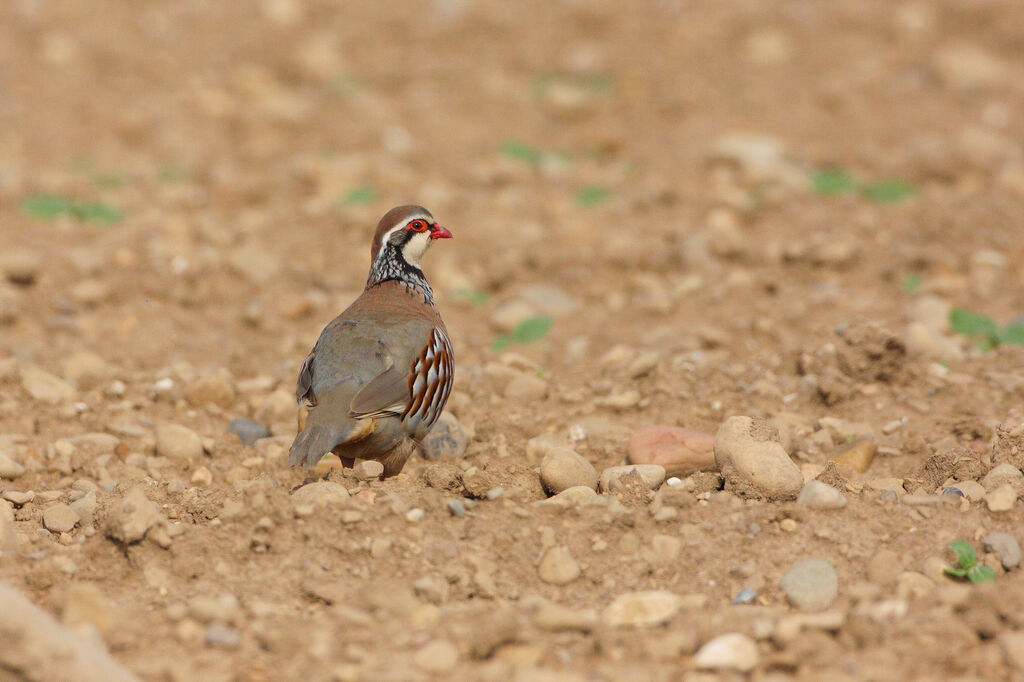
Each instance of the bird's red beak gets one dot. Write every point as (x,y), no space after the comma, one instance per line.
(439,232)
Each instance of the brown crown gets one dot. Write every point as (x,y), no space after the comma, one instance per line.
(396,216)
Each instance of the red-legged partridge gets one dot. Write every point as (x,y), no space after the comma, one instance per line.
(380,373)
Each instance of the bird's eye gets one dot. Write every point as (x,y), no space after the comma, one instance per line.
(417,225)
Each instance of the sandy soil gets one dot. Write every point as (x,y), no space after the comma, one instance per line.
(725,208)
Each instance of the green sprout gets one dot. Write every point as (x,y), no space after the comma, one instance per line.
(51,206)
(969,567)
(985,329)
(529,330)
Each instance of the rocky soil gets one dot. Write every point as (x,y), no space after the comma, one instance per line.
(711,419)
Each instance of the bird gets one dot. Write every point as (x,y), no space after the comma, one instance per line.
(381,372)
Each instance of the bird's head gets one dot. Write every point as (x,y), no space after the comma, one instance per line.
(406,231)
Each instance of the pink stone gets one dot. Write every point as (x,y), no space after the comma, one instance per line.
(681,451)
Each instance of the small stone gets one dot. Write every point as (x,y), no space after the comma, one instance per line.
(414,515)
(85,369)
(920,340)
(732,651)
(972,490)
(202,477)
(85,507)
(221,608)
(1003,474)
(18,497)
(642,609)
(680,451)
(744,596)
(1006,546)
(562,468)
(456,508)
(247,430)
(753,462)
(132,517)
(857,456)
(913,585)
(178,442)
(320,494)
(437,656)
(216,389)
(432,588)
(368,470)
(1002,498)
(526,387)
(446,438)
(818,495)
(9,469)
(884,567)
(558,567)
(495,493)
(651,475)
(570,497)
(45,387)
(222,636)
(811,585)
(60,518)
(953,492)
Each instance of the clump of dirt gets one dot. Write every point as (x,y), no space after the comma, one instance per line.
(959,464)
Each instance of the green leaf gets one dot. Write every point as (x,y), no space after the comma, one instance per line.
(1013,333)
(970,323)
(831,181)
(981,574)
(911,282)
(473,296)
(958,572)
(964,554)
(527,331)
(888,191)
(97,211)
(515,149)
(591,195)
(46,205)
(363,194)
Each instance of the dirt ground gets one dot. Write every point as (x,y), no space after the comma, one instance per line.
(724,208)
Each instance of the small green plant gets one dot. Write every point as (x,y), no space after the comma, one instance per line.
(51,206)
(474,296)
(521,151)
(835,181)
(592,195)
(969,567)
(911,282)
(363,194)
(985,329)
(529,330)
(830,181)
(888,191)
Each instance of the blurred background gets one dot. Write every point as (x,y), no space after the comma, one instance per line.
(663,211)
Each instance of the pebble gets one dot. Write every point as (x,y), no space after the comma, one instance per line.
(446,438)
(9,469)
(953,492)
(320,494)
(495,493)
(558,567)
(679,450)
(753,463)
(368,470)
(562,468)
(222,608)
(456,508)
(884,567)
(202,477)
(216,389)
(21,266)
(178,442)
(432,588)
(85,507)
(920,340)
(414,515)
(59,518)
(744,596)
(811,585)
(437,656)
(222,636)
(972,490)
(570,497)
(818,495)
(46,387)
(1006,546)
(1002,498)
(642,609)
(857,456)
(1003,474)
(247,430)
(732,651)
(651,475)
(131,517)
(557,618)
(85,369)
(17,497)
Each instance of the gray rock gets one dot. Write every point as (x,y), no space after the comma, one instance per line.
(651,475)
(248,431)
(744,596)
(59,518)
(9,469)
(558,567)
(753,462)
(563,468)
(732,651)
(1006,546)
(811,585)
(456,508)
(222,636)
(446,438)
(818,495)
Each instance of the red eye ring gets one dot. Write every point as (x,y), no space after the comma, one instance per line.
(417,226)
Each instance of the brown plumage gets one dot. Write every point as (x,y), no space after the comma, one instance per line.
(380,373)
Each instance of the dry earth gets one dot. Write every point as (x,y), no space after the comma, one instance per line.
(186,196)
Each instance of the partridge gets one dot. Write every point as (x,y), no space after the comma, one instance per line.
(381,371)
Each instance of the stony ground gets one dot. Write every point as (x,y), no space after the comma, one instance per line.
(747,219)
